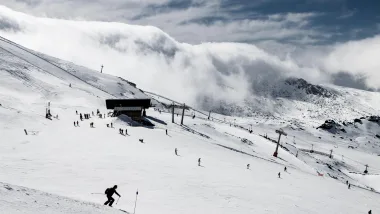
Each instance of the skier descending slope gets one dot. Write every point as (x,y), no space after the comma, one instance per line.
(109,192)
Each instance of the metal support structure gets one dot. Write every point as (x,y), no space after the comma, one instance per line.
(173,112)
(279,132)
(183,113)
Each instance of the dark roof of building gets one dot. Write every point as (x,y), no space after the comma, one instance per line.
(112,103)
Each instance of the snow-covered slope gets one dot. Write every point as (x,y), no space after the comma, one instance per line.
(22,200)
(61,159)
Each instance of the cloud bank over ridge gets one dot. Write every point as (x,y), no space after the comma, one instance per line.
(225,71)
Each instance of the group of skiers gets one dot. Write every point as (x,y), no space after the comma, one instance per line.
(121,131)
(76,124)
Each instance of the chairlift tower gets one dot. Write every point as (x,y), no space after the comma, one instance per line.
(280,132)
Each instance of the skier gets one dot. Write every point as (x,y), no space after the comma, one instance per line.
(93,114)
(248,165)
(75,124)
(97,111)
(279,175)
(76,111)
(26,133)
(126,131)
(80,116)
(111,125)
(199,161)
(70,85)
(175,151)
(349,186)
(370,212)
(122,131)
(285,169)
(109,192)
(166,132)
(347,182)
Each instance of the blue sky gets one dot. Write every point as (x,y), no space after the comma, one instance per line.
(300,22)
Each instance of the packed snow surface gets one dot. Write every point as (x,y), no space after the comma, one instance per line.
(66,168)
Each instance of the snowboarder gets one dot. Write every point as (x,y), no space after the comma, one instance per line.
(175,151)
(248,165)
(199,161)
(166,132)
(109,192)
(285,169)
(279,175)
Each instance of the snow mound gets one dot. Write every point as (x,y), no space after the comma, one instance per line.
(21,200)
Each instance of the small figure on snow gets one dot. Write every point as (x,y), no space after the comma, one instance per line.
(175,151)
(80,116)
(126,131)
(370,212)
(92,124)
(76,112)
(199,161)
(93,114)
(111,125)
(122,131)
(285,169)
(26,133)
(166,132)
(349,186)
(279,175)
(97,111)
(109,192)
(347,182)
(248,165)
(75,124)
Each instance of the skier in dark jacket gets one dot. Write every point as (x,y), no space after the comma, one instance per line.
(109,192)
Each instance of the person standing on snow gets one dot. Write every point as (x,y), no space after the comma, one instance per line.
(285,169)
(279,175)
(175,151)
(109,192)
(199,161)
(248,165)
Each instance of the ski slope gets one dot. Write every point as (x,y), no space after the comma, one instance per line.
(70,163)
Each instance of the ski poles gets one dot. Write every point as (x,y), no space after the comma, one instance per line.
(117,200)
(96,193)
(134,210)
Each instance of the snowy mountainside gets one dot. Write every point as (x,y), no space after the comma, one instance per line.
(21,200)
(74,161)
(228,78)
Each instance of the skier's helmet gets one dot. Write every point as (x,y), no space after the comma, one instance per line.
(115,187)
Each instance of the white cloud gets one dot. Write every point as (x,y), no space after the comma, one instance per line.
(155,61)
